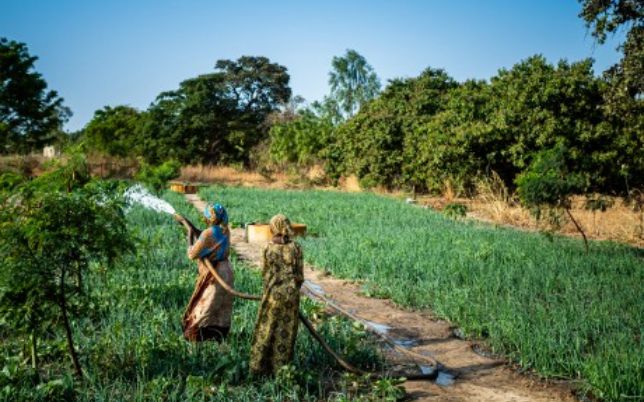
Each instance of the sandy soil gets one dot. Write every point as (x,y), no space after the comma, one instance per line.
(476,377)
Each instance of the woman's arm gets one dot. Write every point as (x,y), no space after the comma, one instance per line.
(192,232)
(200,246)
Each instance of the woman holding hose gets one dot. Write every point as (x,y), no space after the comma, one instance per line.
(210,307)
(277,320)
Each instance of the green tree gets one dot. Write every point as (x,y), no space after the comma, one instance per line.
(605,17)
(215,117)
(196,123)
(30,115)
(157,177)
(549,183)
(624,95)
(51,230)
(113,130)
(256,85)
(378,143)
(536,105)
(353,82)
(302,138)
(455,145)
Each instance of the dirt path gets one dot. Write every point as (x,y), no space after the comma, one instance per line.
(476,377)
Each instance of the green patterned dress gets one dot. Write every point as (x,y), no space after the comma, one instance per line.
(277,321)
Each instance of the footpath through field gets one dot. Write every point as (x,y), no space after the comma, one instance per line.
(475,377)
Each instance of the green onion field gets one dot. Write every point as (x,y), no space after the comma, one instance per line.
(539,300)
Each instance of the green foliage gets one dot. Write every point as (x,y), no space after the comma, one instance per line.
(30,116)
(424,132)
(547,181)
(443,141)
(363,389)
(608,17)
(215,117)
(157,177)
(9,181)
(113,130)
(67,175)
(51,230)
(455,210)
(302,139)
(377,144)
(599,203)
(353,82)
(555,310)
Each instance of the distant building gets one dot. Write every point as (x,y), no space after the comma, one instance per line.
(50,152)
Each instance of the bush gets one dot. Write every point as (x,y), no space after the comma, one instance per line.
(156,177)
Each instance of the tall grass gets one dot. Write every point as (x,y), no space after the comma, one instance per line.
(132,346)
(540,300)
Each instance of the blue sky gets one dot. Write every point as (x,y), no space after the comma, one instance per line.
(97,53)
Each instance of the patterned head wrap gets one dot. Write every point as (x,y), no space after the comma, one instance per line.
(216,214)
(280,225)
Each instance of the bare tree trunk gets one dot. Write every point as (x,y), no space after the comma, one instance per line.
(578,229)
(68,329)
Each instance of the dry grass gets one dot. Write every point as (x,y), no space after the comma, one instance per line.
(232,176)
(312,177)
(112,167)
(28,165)
(619,223)
(100,165)
(493,203)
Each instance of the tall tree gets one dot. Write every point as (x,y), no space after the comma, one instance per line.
(256,84)
(113,130)
(353,82)
(607,17)
(371,144)
(216,117)
(30,115)
(624,96)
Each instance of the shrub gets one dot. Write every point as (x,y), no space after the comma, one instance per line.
(156,177)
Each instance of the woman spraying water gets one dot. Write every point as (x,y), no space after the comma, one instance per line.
(210,307)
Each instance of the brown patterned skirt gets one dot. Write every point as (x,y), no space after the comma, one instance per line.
(209,310)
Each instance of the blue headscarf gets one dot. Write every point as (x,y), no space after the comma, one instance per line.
(219,233)
(219,211)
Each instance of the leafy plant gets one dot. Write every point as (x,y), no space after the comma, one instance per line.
(353,82)
(50,234)
(455,210)
(157,177)
(547,183)
(595,204)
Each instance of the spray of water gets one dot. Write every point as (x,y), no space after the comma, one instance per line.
(140,195)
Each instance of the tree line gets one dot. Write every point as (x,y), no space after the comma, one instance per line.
(417,133)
